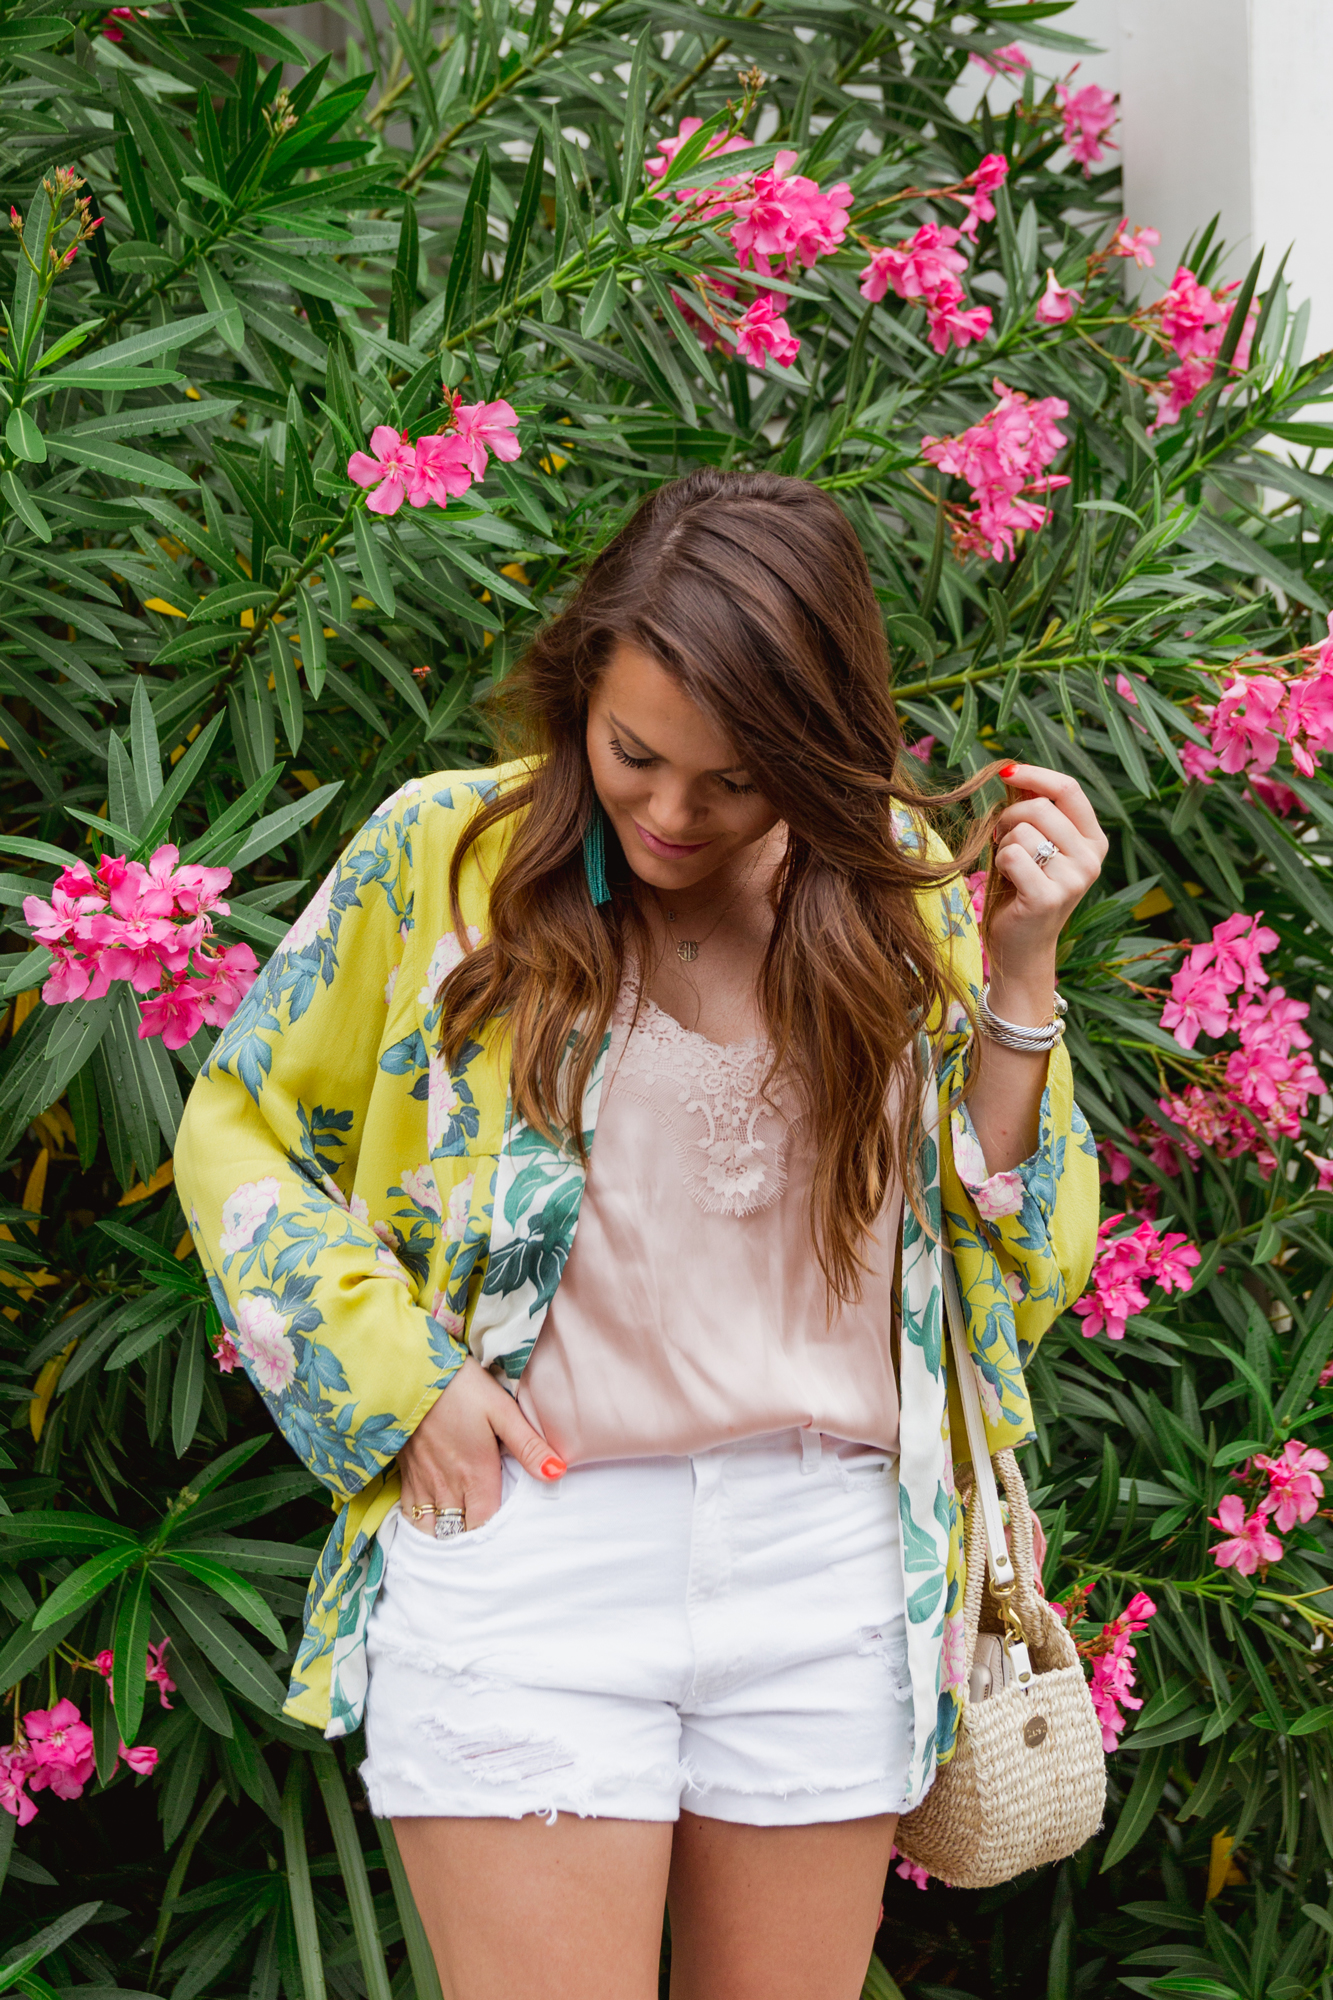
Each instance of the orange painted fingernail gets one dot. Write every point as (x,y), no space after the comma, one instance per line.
(553,1467)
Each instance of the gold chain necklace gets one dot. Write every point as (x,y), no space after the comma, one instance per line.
(688,949)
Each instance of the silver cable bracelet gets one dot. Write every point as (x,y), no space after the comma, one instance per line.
(1012,1035)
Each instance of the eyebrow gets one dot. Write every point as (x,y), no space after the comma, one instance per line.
(623,729)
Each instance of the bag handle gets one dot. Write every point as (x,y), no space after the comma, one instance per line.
(984,1490)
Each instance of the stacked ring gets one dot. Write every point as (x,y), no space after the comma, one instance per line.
(448,1520)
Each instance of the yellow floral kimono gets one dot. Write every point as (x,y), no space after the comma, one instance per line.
(367,1217)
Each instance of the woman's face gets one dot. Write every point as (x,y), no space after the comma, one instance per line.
(676,790)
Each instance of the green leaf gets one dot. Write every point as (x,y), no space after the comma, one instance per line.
(373,564)
(221,1645)
(304,1917)
(24,439)
(119,461)
(602,302)
(324,281)
(356,1882)
(277,827)
(1136,1814)
(23,1958)
(136,348)
(131,1652)
(24,506)
(85,1585)
(636,102)
(234,1591)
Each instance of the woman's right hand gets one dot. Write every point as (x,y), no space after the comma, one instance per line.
(452,1459)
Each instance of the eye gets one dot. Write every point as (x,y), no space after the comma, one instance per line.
(621,754)
(737,791)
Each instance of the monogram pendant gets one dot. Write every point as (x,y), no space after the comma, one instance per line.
(687,951)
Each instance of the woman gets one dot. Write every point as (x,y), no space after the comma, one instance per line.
(666,1602)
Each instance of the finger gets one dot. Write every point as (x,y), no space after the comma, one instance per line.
(528,1446)
(1040,889)
(482,1485)
(1044,814)
(1067,793)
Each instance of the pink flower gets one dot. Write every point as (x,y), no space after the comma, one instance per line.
(225,1354)
(1056,304)
(1199,1000)
(175,1015)
(14,1769)
(441,471)
(1240,944)
(1310,714)
(142,1759)
(1326,1374)
(921,749)
(1118,1166)
(1249,1545)
(231,974)
(104,1662)
(1113,1669)
(60,1746)
(1188,312)
(483,427)
(760,332)
(1197,762)
(911,1871)
(786,219)
(1008,61)
(1244,723)
(1002,458)
(668,149)
(388,471)
(1193,319)
(1124,1266)
(155,1670)
(917,268)
(197,889)
(1089,115)
(1323,1166)
(1136,243)
(983,182)
(1294,1490)
(947,321)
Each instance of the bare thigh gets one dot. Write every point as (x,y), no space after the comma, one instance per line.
(570,1911)
(775,1912)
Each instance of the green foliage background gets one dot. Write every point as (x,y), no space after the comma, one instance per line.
(274,276)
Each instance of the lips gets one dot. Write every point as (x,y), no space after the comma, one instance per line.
(669,850)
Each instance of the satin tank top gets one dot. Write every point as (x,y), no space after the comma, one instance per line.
(692,1310)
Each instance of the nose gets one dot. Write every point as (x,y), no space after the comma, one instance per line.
(677,815)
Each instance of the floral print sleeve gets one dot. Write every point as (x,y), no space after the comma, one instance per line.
(1024,1238)
(312,1199)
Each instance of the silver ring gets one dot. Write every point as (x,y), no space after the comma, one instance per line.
(449,1521)
(1045,853)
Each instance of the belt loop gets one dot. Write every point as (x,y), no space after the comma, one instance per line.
(812,1447)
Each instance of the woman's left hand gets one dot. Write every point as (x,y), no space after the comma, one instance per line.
(1024,926)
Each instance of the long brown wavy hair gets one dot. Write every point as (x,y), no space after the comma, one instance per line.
(753,592)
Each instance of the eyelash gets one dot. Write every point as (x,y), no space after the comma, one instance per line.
(621,754)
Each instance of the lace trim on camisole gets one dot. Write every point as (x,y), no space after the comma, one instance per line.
(731,1140)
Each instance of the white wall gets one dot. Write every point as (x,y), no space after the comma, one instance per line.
(1224,107)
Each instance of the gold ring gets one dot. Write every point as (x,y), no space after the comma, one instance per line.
(427,1507)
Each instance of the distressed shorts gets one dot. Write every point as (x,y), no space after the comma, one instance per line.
(724,1632)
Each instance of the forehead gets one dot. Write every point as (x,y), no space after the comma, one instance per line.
(648,703)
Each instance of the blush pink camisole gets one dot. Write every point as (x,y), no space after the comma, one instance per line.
(692,1308)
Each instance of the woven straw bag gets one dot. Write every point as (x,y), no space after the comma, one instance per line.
(1027,1780)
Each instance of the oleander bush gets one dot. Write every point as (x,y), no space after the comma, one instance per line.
(320,379)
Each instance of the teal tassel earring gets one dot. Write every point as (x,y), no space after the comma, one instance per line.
(594,857)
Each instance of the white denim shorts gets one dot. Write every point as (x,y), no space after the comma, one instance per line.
(724,1632)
